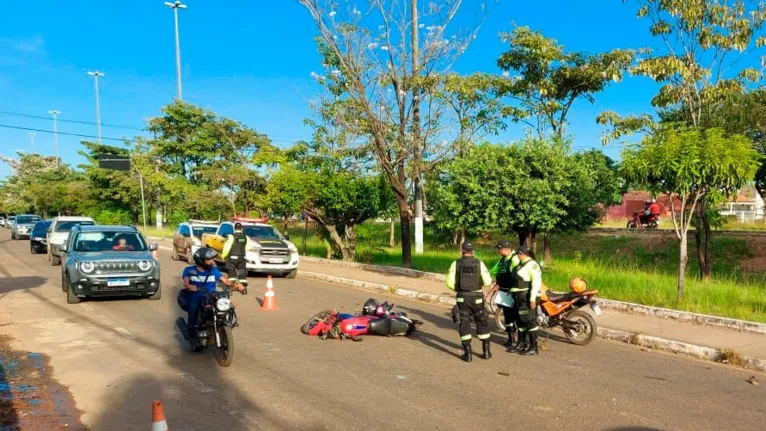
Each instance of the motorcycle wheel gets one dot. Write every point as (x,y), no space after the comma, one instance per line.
(631,225)
(586,327)
(499,321)
(225,353)
(490,305)
(312,321)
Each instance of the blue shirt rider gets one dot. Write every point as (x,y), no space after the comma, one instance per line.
(199,281)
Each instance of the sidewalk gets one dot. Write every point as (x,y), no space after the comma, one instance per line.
(748,344)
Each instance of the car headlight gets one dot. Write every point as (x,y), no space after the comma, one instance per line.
(223,304)
(292,248)
(87,267)
(254,248)
(145,265)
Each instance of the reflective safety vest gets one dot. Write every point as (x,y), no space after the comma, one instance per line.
(239,247)
(504,275)
(518,284)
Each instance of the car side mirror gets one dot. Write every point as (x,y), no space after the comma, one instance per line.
(153,246)
(287,237)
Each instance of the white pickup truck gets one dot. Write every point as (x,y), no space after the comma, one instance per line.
(268,251)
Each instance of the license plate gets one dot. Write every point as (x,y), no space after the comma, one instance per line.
(121,282)
(275,260)
(596,309)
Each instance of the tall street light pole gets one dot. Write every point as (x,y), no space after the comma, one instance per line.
(55,135)
(175,6)
(95,76)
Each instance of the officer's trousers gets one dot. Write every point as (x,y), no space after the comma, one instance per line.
(471,307)
(236,267)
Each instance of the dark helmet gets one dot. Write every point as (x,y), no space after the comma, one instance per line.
(237,226)
(203,254)
(369,307)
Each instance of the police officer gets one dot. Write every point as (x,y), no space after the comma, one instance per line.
(526,281)
(234,252)
(502,273)
(467,276)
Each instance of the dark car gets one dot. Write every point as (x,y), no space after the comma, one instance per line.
(37,241)
(108,261)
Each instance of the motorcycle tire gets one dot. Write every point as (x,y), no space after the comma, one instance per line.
(499,321)
(586,321)
(225,354)
(319,316)
(631,225)
(490,305)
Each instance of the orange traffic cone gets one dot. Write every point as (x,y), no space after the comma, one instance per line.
(269,299)
(158,417)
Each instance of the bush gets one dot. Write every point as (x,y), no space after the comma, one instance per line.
(114,217)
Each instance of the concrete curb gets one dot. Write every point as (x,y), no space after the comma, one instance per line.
(684,316)
(637,339)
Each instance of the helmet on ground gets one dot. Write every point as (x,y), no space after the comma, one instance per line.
(369,307)
(203,254)
(578,285)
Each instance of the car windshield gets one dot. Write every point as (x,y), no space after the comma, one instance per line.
(261,232)
(27,219)
(199,230)
(41,227)
(66,226)
(109,241)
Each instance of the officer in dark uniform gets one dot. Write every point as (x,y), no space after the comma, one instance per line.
(234,253)
(467,276)
(526,281)
(502,273)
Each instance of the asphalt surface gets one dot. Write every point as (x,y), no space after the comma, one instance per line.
(116,356)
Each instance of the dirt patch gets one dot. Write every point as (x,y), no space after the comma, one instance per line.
(29,396)
(757,263)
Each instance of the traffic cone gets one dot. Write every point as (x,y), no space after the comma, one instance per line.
(269,298)
(158,417)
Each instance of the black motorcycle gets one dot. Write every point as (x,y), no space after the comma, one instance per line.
(215,323)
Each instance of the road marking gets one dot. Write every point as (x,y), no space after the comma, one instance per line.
(124,332)
(105,320)
(245,418)
(198,385)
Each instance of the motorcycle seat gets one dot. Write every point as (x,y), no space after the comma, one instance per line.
(557,297)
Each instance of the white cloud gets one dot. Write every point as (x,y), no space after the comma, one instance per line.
(29,45)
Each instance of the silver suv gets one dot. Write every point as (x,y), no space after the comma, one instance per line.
(108,261)
(58,233)
(22,226)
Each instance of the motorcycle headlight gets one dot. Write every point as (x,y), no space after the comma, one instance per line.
(145,265)
(87,267)
(223,304)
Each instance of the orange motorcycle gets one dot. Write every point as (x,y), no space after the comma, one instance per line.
(567,311)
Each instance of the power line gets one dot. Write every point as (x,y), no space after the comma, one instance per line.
(113,126)
(31,129)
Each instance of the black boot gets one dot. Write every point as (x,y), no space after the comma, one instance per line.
(532,348)
(467,352)
(520,345)
(511,333)
(485,348)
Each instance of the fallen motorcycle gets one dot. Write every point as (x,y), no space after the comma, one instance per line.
(215,325)
(567,311)
(374,320)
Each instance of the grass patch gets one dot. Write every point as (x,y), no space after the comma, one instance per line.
(624,268)
(731,357)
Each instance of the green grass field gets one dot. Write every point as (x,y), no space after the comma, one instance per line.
(622,267)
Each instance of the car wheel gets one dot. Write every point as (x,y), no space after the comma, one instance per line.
(55,260)
(189,257)
(13,236)
(32,249)
(71,298)
(64,282)
(291,274)
(175,253)
(157,295)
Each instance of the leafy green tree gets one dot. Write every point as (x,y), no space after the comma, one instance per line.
(690,164)
(288,191)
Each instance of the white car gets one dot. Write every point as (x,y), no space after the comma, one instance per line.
(58,234)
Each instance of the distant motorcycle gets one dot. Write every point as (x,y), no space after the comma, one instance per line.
(637,223)
(215,325)
(380,320)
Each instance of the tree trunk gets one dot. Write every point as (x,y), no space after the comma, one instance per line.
(346,253)
(707,275)
(455,236)
(682,265)
(392,234)
(286,226)
(524,238)
(404,220)
(698,234)
(533,241)
(462,237)
(547,247)
(349,248)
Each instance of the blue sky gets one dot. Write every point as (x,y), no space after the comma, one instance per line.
(250,61)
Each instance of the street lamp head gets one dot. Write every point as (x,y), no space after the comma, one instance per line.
(175,5)
(54,112)
(96,73)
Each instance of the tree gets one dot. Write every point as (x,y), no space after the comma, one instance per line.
(704,40)
(288,191)
(548,80)
(382,77)
(690,164)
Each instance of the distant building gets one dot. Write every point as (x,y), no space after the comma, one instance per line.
(746,206)
(634,201)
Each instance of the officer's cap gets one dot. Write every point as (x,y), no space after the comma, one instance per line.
(522,250)
(467,246)
(503,244)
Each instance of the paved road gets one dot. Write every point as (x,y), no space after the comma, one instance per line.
(118,355)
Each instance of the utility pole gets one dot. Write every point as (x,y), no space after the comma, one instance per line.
(416,131)
(175,6)
(55,135)
(95,76)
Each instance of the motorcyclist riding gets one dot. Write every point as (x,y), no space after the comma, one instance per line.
(199,281)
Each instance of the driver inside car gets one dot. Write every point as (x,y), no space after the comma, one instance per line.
(199,281)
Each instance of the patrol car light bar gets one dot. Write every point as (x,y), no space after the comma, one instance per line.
(204,221)
(250,220)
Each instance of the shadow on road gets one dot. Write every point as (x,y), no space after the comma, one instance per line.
(430,339)
(20,283)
